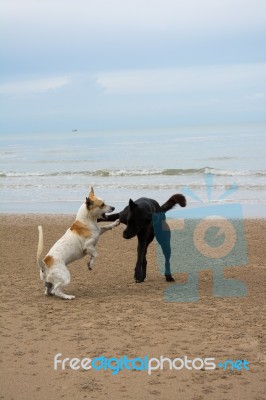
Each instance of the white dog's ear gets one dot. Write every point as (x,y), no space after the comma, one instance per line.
(89,203)
(91,194)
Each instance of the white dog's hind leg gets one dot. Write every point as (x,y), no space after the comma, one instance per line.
(60,277)
(48,289)
(58,292)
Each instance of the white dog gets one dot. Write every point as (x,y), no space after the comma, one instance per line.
(79,240)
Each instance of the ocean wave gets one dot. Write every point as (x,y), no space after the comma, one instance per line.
(128,186)
(141,172)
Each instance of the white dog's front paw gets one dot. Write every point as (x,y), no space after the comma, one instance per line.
(116,223)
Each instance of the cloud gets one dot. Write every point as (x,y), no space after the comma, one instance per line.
(187,80)
(117,15)
(33,86)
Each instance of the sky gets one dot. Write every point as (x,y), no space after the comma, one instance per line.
(124,64)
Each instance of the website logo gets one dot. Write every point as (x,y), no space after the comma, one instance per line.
(210,237)
(146,363)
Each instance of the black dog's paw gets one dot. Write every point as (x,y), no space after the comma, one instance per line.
(139,278)
(169,278)
(139,274)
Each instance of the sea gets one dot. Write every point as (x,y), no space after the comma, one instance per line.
(53,172)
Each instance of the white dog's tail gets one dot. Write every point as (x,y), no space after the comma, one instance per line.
(40,262)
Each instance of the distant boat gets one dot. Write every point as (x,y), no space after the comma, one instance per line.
(74,130)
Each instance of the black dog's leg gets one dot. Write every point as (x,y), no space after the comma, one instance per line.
(141,260)
(144,239)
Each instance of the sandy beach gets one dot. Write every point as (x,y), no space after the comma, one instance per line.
(115,317)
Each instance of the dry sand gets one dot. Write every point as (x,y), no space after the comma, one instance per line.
(113,316)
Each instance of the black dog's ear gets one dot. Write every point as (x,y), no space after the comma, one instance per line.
(89,202)
(132,204)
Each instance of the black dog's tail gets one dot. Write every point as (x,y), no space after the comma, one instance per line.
(175,199)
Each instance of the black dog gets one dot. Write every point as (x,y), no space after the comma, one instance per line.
(138,218)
